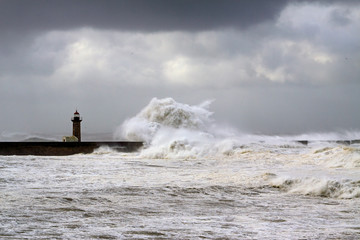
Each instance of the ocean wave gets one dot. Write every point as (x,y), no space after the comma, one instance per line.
(337,157)
(345,189)
(164,113)
(172,130)
(105,150)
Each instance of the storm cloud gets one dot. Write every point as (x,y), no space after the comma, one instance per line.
(273,67)
(135,15)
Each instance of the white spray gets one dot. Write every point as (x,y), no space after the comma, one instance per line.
(172,129)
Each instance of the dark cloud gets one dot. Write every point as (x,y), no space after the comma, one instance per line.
(154,15)
(144,15)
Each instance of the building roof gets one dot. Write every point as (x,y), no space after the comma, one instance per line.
(76,112)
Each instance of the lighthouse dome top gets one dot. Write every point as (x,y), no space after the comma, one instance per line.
(76,117)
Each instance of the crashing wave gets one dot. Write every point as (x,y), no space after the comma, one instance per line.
(161,113)
(337,157)
(319,187)
(171,129)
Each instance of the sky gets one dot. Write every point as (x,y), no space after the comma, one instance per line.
(270,67)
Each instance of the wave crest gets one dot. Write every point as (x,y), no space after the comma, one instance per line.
(319,187)
(337,157)
(165,113)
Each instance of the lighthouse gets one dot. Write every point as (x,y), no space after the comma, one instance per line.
(76,125)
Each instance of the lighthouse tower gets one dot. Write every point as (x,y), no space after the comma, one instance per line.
(76,125)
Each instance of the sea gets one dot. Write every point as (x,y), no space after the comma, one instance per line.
(193,179)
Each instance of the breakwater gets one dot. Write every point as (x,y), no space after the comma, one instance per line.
(70,148)
(63,148)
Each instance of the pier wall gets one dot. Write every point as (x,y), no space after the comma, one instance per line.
(63,148)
